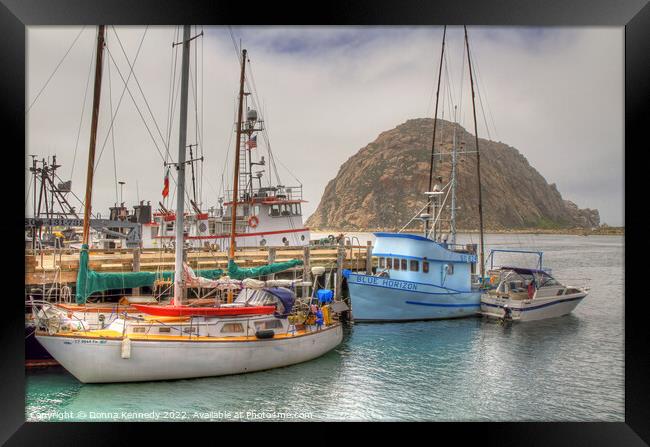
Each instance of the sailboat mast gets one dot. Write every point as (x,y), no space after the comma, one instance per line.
(93,133)
(478,159)
(435,124)
(180,193)
(235,188)
(453,182)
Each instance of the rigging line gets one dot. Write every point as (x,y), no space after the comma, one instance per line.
(265,135)
(138,82)
(460,87)
(83,109)
(449,79)
(29,187)
(119,103)
(110,101)
(172,82)
(55,70)
(202,102)
(136,107)
(480,99)
(74,195)
(234,43)
(487,102)
(223,171)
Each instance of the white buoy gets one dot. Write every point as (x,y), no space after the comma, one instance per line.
(126,348)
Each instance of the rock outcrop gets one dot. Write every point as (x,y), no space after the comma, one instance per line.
(381,187)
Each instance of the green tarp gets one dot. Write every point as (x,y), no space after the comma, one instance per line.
(89,281)
(236,272)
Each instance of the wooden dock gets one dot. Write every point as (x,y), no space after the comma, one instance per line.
(60,266)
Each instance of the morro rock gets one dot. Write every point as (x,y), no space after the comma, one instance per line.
(382,185)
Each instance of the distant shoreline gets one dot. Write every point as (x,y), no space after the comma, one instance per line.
(600,231)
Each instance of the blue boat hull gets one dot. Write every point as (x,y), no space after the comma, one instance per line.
(374,298)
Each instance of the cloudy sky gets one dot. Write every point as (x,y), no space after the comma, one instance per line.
(556,94)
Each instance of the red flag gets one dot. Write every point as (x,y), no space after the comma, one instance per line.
(165,191)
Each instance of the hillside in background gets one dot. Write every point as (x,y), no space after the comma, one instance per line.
(382,185)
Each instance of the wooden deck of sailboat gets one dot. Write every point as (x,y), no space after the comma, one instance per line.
(107,334)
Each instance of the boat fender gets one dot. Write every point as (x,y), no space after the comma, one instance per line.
(263,334)
(253,221)
(531,290)
(126,348)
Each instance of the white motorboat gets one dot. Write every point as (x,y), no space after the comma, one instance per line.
(526,294)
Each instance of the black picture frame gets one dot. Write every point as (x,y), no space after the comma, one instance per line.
(634,15)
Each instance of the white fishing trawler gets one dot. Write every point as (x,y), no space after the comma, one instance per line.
(526,294)
(263,328)
(266,216)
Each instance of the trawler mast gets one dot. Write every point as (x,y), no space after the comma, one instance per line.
(433,143)
(478,161)
(235,193)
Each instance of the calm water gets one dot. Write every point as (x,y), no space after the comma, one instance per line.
(568,368)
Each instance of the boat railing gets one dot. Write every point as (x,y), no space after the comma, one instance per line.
(269,192)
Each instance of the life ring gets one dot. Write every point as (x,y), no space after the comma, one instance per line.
(253,221)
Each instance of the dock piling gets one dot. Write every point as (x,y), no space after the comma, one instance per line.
(369,258)
(306,272)
(271,259)
(340,259)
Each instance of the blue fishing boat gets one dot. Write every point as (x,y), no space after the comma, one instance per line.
(418,279)
(428,276)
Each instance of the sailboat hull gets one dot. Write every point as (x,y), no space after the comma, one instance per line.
(101,360)
(383,299)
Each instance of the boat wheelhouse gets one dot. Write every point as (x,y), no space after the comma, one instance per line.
(268,216)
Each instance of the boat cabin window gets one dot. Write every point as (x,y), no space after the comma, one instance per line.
(154,231)
(414,265)
(404,267)
(274,210)
(164,329)
(256,210)
(285,210)
(382,263)
(268,324)
(389,263)
(425,266)
(450,269)
(232,327)
(395,264)
(170,226)
(138,329)
(189,330)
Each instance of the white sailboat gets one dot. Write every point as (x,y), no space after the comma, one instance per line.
(239,337)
